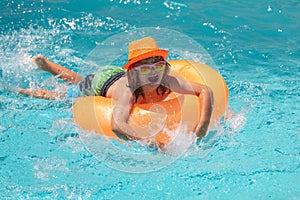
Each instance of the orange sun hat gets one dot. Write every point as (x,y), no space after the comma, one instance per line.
(142,49)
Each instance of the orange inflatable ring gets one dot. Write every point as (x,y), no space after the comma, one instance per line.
(93,113)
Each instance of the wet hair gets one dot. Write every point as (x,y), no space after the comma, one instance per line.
(136,87)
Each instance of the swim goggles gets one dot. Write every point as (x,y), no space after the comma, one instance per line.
(147,68)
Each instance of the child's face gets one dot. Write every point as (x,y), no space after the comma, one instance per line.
(151,70)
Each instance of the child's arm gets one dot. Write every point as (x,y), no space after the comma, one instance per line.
(205,95)
(120,119)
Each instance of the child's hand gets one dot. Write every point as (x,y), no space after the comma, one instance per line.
(201,129)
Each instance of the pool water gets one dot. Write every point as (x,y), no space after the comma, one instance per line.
(255,153)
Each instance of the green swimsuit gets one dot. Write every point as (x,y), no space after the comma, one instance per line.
(97,84)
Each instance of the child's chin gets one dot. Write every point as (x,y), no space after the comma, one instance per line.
(154,85)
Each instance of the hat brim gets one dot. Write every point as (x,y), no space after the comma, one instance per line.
(158,52)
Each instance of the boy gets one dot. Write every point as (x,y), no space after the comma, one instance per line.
(144,79)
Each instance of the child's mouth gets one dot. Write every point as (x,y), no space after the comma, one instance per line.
(153,79)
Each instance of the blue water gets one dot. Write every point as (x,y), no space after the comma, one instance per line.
(254,154)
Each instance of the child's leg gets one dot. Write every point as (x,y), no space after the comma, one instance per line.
(43,94)
(55,69)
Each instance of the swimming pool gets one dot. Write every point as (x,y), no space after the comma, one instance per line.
(254,45)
